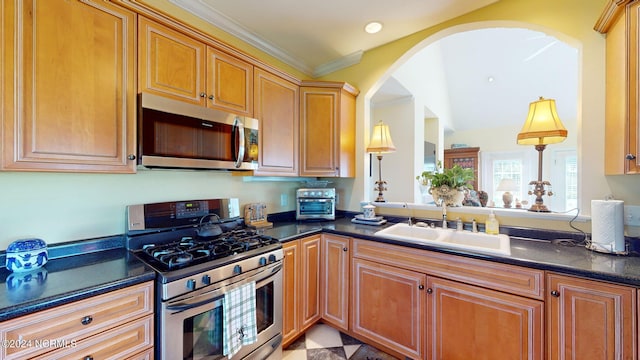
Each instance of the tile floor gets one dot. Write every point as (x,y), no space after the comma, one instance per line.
(322,342)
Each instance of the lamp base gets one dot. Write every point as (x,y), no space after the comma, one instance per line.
(507,199)
(539,208)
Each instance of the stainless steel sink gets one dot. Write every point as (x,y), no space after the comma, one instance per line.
(467,240)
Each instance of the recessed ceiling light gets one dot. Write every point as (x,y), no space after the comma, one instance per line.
(373,27)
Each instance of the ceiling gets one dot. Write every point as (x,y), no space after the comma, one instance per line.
(492,75)
(318,37)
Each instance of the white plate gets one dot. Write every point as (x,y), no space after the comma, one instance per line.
(361,217)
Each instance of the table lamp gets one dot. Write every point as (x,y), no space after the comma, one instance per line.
(380,144)
(543,127)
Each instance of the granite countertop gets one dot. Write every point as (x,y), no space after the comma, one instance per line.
(101,266)
(66,279)
(537,254)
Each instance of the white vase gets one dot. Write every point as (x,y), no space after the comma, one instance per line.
(451,197)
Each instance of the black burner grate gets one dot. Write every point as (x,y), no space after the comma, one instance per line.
(190,250)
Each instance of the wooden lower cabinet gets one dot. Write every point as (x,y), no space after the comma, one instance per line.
(470,322)
(335,280)
(115,325)
(590,319)
(388,306)
(301,300)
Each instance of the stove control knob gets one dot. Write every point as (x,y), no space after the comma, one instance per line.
(206,279)
(191,284)
(272,258)
(262,261)
(237,270)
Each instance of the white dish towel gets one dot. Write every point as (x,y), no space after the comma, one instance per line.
(239,318)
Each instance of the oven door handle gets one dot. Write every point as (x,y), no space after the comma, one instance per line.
(260,275)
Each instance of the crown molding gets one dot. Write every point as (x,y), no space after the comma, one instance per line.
(338,64)
(204,11)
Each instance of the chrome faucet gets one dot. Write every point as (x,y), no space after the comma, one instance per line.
(474,225)
(409,221)
(444,215)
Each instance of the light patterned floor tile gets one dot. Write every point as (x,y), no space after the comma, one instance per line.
(322,336)
(294,355)
(350,349)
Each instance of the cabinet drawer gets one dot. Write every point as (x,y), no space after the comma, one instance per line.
(508,278)
(73,322)
(117,343)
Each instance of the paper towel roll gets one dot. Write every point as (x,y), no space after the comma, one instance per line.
(607,225)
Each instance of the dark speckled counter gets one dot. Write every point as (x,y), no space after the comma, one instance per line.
(68,279)
(108,266)
(538,254)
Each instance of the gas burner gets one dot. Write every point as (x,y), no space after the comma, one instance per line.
(186,251)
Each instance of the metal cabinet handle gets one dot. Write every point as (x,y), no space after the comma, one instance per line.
(203,94)
(344,249)
(630,157)
(429,291)
(555,293)
(86,320)
(88,357)
(131,157)
(210,97)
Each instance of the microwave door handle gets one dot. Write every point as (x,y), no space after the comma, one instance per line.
(237,124)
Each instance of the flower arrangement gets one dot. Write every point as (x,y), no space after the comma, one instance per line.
(455,177)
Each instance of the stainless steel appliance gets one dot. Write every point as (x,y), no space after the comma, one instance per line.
(201,250)
(316,203)
(174,134)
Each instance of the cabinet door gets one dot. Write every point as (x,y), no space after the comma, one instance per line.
(170,64)
(469,322)
(335,280)
(466,158)
(388,305)
(590,319)
(69,86)
(319,117)
(277,108)
(229,83)
(632,156)
(291,289)
(310,286)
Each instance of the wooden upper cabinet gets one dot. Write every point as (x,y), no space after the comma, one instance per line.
(170,63)
(175,65)
(229,83)
(620,22)
(590,319)
(277,108)
(327,129)
(68,83)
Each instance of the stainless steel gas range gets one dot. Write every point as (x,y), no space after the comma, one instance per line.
(202,253)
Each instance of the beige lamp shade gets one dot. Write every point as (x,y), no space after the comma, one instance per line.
(381,140)
(507,184)
(543,126)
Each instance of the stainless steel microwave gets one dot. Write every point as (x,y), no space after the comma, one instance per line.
(175,134)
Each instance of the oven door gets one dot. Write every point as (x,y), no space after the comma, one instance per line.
(315,208)
(191,328)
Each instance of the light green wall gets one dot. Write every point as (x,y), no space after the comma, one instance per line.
(58,207)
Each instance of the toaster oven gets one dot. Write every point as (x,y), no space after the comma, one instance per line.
(316,203)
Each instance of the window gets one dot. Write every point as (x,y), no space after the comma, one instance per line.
(506,165)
